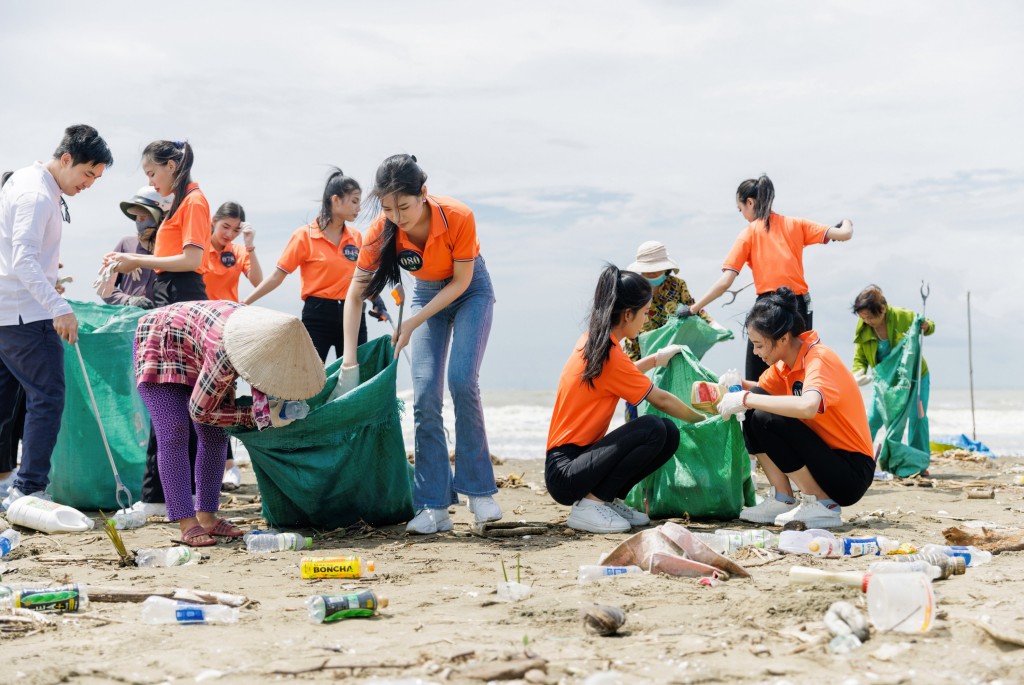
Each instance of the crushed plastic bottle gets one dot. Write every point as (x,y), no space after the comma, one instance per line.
(956,565)
(60,598)
(9,539)
(331,608)
(253,533)
(336,567)
(280,542)
(174,556)
(797,541)
(157,610)
(591,572)
(971,555)
(127,519)
(294,409)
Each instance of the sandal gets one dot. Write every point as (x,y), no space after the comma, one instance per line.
(193,535)
(224,529)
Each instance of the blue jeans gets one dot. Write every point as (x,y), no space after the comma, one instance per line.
(464,325)
(32,354)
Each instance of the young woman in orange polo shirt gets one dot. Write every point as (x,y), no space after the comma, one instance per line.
(225,261)
(586,467)
(773,246)
(805,420)
(434,239)
(325,253)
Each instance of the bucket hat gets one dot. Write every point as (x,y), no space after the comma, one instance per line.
(652,256)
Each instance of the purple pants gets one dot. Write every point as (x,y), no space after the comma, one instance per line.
(168,408)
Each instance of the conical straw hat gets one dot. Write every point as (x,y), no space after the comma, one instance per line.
(274,353)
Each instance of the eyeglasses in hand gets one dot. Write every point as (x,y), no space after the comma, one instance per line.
(64,211)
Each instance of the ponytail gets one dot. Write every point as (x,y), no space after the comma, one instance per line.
(617,292)
(762,192)
(776,314)
(397,175)
(337,184)
(180,152)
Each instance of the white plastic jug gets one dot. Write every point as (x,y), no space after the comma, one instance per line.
(46,516)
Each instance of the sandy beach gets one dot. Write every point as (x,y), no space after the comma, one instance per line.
(445,623)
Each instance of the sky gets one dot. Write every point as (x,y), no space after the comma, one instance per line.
(575,131)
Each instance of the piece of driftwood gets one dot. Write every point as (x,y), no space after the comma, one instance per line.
(114,595)
(503,670)
(994,541)
(508,529)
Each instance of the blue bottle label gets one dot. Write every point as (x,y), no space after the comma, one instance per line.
(615,570)
(5,547)
(189,614)
(961,552)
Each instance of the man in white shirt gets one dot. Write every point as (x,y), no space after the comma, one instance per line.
(33,315)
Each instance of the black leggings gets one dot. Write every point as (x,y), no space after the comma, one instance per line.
(791,445)
(755,367)
(323,321)
(614,464)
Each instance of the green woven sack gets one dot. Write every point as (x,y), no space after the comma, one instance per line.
(895,396)
(80,473)
(693,331)
(709,476)
(345,461)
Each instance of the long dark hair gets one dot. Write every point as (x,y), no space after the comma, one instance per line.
(337,184)
(776,314)
(228,210)
(617,292)
(180,152)
(762,192)
(397,175)
(870,299)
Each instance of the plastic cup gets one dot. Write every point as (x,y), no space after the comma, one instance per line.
(901,602)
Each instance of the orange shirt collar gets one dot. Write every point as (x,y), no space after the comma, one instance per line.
(315,232)
(437,224)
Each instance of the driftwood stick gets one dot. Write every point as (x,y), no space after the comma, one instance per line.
(113,595)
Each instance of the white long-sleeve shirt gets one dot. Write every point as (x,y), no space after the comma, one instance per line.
(30,231)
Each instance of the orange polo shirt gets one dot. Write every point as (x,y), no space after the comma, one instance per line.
(325,269)
(582,413)
(222,271)
(452,238)
(842,421)
(776,256)
(190,225)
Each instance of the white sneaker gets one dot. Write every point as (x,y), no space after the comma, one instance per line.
(632,516)
(429,521)
(151,508)
(767,511)
(813,513)
(15,494)
(232,479)
(484,509)
(595,517)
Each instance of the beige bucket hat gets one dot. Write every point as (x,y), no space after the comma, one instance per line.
(273,352)
(650,257)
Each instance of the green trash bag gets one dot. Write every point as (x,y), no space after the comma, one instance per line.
(80,473)
(345,461)
(709,476)
(894,397)
(694,332)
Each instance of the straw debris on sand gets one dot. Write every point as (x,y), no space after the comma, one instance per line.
(445,623)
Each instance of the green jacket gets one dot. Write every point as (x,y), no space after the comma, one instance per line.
(897,323)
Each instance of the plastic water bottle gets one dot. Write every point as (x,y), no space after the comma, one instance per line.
(126,519)
(59,598)
(175,556)
(971,555)
(797,541)
(903,602)
(253,533)
(294,409)
(749,537)
(858,547)
(924,567)
(157,610)
(48,517)
(337,567)
(331,608)
(280,542)
(731,379)
(955,565)
(9,539)
(591,572)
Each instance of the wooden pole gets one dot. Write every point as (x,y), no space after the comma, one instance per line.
(970,366)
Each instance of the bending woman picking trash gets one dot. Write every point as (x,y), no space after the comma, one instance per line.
(187,359)
(773,246)
(805,420)
(434,239)
(586,466)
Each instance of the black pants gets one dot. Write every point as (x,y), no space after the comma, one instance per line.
(323,320)
(12,426)
(791,445)
(171,288)
(614,464)
(755,367)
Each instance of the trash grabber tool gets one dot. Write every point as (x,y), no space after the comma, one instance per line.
(736,292)
(398,293)
(926,290)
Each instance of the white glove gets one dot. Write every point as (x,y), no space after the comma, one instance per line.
(277,419)
(862,377)
(248,234)
(732,403)
(662,356)
(348,380)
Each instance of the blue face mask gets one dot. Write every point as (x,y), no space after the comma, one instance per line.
(655,282)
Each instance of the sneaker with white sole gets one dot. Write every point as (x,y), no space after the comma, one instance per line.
(232,479)
(151,508)
(767,510)
(429,521)
(595,517)
(484,509)
(632,516)
(15,494)
(812,513)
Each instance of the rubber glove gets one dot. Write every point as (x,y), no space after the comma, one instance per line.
(277,408)
(862,377)
(379,311)
(662,356)
(683,311)
(347,381)
(732,403)
(141,302)
(248,234)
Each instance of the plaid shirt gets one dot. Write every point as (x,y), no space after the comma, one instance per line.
(183,343)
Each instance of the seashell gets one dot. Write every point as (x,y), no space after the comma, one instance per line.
(603,620)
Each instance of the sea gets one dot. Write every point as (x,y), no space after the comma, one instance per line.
(517,420)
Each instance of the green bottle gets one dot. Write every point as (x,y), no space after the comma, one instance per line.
(331,608)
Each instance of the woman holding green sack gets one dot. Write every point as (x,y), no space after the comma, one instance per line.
(879,330)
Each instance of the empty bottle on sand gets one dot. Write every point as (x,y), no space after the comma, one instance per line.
(955,565)
(972,556)
(126,519)
(933,572)
(156,610)
(253,533)
(336,567)
(280,542)
(59,598)
(590,572)
(9,539)
(174,556)
(331,608)
(46,516)
(903,602)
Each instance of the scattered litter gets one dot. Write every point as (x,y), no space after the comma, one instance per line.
(981,493)
(673,550)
